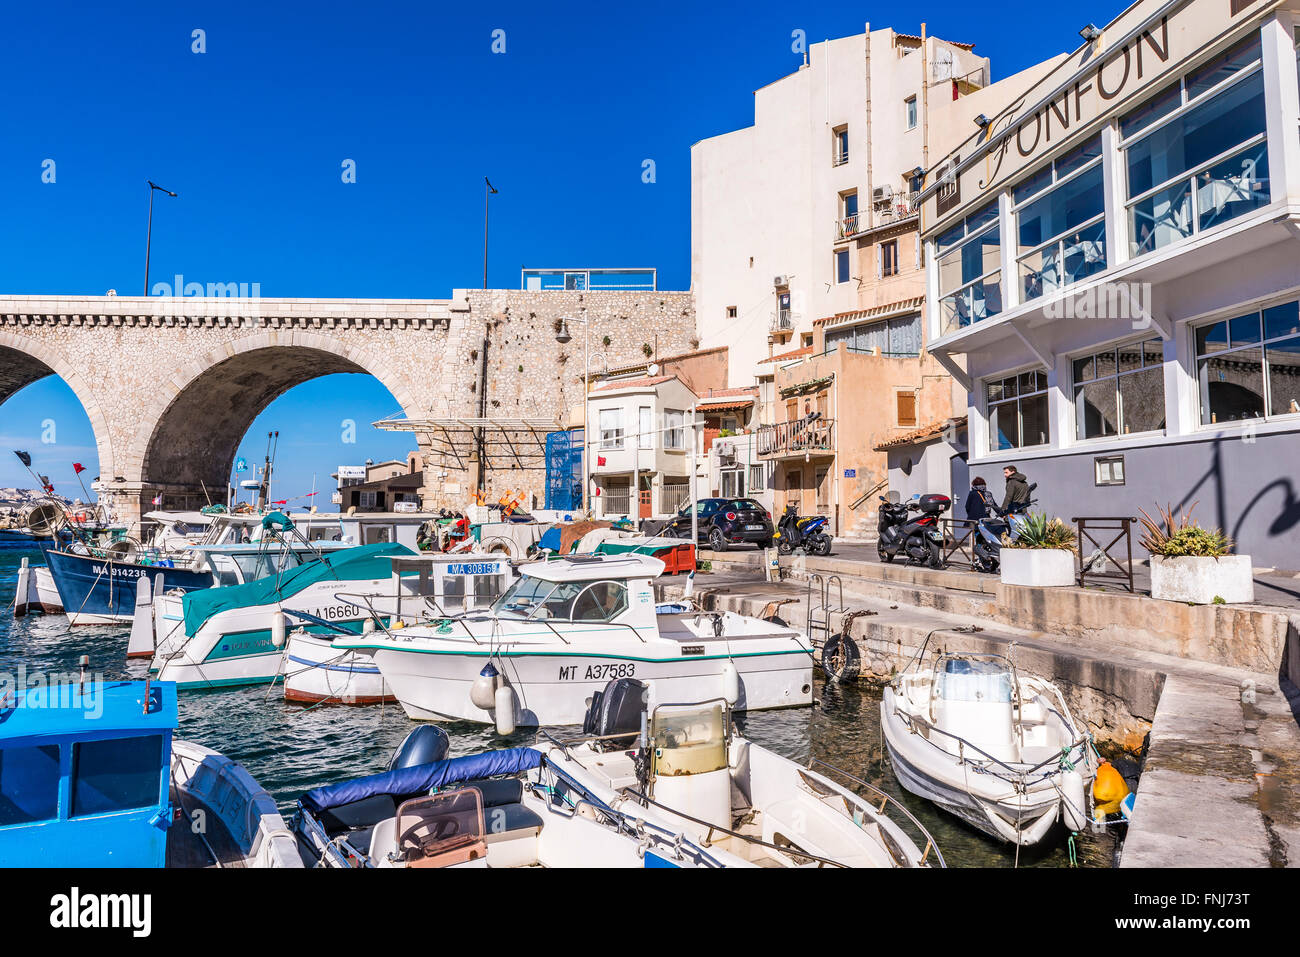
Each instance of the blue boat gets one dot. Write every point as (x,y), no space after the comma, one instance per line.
(102,591)
(90,776)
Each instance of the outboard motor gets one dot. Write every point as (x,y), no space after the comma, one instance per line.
(617,710)
(425,744)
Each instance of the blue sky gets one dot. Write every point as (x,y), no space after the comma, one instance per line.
(252,135)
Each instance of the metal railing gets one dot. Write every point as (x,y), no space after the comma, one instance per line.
(848,225)
(616,501)
(782,322)
(1093,567)
(674,496)
(802,435)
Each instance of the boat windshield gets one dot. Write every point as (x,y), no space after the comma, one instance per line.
(261,564)
(973,679)
(566,601)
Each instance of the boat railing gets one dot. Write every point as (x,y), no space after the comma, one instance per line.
(1016,774)
(377,616)
(887,801)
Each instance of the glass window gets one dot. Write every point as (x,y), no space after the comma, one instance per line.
(1017,411)
(1120,391)
(970,276)
(29,784)
(611,428)
(675,437)
(910,112)
(842,266)
(1177,164)
(1061,231)
(1227,64)
(601,601)
(117,774)
(645,426)
(889,258)
(757,480)
(1248,367)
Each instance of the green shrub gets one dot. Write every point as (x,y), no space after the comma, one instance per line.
(1039,531)
(1181,537)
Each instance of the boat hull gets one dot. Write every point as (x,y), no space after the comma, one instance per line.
(97,591)
(35,591)
(318,673)
(552,685)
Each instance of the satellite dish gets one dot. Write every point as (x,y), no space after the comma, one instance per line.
(654,368)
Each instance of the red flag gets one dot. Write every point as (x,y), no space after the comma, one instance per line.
(78,467)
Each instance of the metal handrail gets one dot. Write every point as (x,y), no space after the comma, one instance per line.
(868,493)
(887,800)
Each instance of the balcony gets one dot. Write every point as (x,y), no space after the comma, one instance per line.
(797,438)
(850,225)
(782,325)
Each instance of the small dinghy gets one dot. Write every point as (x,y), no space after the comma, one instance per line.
(506,808)
(996,748)
(684,767)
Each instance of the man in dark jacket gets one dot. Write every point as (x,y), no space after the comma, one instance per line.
(1017,489)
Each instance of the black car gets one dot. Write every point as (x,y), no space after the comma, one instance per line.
(724,522)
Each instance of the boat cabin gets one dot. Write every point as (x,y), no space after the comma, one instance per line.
(373,528)
(457,583)
(594,589)
(84,774)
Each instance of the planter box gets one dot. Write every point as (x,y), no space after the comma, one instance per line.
(1042,567)
(1200,580)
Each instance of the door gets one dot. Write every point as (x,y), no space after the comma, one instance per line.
(643,498)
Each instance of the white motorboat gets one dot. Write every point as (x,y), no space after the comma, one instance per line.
(684,767)
(317,672)
(997,748)
(35,591)
(568,626)
(515,807)
(236,634)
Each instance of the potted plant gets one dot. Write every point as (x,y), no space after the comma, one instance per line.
(1041,554)
(1194,564)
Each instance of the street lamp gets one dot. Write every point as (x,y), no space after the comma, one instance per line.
(489,189)
(563,336)
(148,242)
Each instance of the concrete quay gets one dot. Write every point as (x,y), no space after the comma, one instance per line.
(1215,704)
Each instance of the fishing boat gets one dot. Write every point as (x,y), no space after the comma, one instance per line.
(998,749)
(507,808)
(685,767)
(567,626)
(236,634)
(437,585)
(93,778)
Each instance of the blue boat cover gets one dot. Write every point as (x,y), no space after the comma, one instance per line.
(550,539)
(362,563)
(423,777)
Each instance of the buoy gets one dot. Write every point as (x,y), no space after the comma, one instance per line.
(482,693)
(398,623)
(1126,806)
(1074,810)
(277,631)
(1108,790)
(505,709)
(730,682)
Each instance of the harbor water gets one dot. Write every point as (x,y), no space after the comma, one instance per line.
(290,749)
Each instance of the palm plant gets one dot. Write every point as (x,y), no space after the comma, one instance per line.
(1039,531)
(1181,537)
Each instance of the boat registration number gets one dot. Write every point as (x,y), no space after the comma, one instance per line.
(598,672)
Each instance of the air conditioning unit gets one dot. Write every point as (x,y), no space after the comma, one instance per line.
(882,194)
(780,282)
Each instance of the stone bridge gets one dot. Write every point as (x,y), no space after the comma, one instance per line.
(171,384)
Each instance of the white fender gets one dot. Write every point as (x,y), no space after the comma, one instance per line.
(505,709)
(21,596)
(730,682)
(277,630)
(1074,807)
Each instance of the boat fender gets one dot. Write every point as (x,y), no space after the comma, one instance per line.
(505,709)
(1108,790)
(730,682)
(482,693)
(1074,810)
(841,658)
(368,626)
(277,630)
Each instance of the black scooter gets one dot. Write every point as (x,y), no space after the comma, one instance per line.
(919,539)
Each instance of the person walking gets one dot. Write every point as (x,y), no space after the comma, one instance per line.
(979,503)
(1017,495)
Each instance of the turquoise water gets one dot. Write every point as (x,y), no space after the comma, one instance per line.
(291,748)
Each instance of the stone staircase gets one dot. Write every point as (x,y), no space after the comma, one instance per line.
(861,527)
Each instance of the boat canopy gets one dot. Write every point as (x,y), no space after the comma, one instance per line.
(277,521)
(350,564)
(585,568)
(423,777)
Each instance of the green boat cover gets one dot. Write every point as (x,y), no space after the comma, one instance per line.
(361,563)
(277,521)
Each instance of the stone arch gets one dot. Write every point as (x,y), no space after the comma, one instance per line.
(190,430)
(24,360)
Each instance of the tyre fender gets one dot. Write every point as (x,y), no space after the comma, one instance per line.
(841,658)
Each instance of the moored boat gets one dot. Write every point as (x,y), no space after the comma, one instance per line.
(996,748)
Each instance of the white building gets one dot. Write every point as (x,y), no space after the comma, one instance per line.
(1115,259)
(777,207)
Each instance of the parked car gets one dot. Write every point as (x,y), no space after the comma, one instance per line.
(724,522)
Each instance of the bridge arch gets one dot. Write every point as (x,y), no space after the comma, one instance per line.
(25,360)
(190,429)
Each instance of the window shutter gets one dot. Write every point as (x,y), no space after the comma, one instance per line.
(907,408)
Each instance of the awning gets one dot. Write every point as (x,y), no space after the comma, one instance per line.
(504,442)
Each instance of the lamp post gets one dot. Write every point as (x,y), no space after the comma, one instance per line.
(563,337)
(148,242)
(489,189)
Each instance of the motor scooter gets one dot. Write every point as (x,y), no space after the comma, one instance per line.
(986,550)
(807,533)
(919,540)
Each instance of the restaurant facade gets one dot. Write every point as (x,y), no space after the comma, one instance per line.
(1113,273)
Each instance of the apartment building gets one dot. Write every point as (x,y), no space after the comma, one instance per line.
(1113,272)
